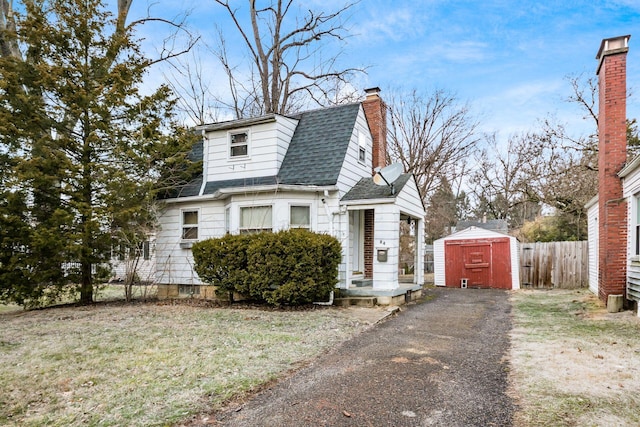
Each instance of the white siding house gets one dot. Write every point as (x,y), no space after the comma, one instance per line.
(630,176)
(592,232)
(311,170)
(631,192)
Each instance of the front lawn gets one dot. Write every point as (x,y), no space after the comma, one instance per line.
(574,364)
(149,364)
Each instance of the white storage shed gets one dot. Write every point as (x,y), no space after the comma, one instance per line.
(477,258)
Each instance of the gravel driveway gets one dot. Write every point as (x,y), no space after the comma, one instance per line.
(442,362)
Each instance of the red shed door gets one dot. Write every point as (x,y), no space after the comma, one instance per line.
(484,263)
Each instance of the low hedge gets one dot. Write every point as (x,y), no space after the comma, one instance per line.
(291,267)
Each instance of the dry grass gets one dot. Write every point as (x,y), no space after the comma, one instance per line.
(147,364)
(103,292)
(8,308)
(574,364)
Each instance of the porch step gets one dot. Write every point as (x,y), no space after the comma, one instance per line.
(361,283)
(359,301)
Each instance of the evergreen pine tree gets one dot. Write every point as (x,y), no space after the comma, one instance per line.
(87,147)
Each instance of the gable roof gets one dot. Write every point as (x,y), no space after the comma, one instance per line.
(366,189)
(318,146)
(475,233)
(499,225)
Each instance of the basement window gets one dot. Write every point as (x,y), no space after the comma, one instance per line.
(188,290)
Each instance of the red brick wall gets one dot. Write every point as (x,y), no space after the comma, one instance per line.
(612,154)
(368,243)
(376,112)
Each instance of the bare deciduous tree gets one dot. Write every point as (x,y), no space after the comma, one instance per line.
(285,49)
(504,176)
(534,169)
(196,99)
(432,136)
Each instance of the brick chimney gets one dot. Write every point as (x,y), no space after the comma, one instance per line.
(376,112)
(612,155)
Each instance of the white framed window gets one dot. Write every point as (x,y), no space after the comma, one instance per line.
(145,250)
(227,220)
(636,225)
(189,290)
(255,218)
(190,224)
(362,147)
(239,144)
(300,216)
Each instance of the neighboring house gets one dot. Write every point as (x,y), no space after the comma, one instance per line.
(614,214)
(477,258)
(499,225)
(311,170)
(140,261)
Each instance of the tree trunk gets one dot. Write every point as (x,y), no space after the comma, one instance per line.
(86,285)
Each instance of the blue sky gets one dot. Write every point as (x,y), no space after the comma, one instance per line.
(508,59)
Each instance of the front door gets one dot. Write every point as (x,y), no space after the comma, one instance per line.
(356,237)
(477,262)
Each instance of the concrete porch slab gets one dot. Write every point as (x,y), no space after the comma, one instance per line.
(404,293)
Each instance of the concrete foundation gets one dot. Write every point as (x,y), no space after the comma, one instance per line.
(361,296)
(615,303)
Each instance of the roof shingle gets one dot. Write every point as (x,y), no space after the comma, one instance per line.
(319,145)
(366,189)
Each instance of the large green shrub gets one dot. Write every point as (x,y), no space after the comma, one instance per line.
(223,262)
(286,268)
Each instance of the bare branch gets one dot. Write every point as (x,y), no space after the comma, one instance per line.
(431,136)
(286,62)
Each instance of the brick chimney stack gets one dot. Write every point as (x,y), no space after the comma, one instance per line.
(376,112)
(612,155)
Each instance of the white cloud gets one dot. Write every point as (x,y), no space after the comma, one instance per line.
(390,25)
(462,51)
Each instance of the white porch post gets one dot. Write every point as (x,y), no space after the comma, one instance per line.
(386,235)
(419,265)
(346,245)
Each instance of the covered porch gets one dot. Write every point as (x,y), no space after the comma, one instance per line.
(383,250)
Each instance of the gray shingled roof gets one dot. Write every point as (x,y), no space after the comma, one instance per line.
(315,155)
(190,189)
(319,145)
(193,187)
(366,189)
(213,186)
(196,152)
(500,225)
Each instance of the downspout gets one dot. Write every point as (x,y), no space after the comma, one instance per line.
(328,212)
(330,302)
(330,219)
(205,162)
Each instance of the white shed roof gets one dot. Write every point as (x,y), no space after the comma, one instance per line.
(474,232)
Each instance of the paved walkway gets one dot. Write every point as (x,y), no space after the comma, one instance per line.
(437,363)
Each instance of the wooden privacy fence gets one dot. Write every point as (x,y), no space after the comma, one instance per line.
(554,265)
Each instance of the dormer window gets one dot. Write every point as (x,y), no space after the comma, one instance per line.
(239,144)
